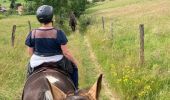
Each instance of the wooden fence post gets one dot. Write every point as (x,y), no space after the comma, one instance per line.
(29,23)
(13,35)
(111,30)
(103,23)
(141,28)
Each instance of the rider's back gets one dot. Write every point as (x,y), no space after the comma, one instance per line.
(47,41)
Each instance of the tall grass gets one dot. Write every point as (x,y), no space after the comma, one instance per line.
(13,60)
(87,71)
(118,52)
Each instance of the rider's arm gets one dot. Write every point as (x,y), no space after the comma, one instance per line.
(68,54)
(30,51)
(63,43)
(29,43)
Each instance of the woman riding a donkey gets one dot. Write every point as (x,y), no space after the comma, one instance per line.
(47,44)
(52,72)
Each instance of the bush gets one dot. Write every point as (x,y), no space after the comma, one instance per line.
(10,12)
(30,8)
(85,21)
(61,6)
(62,23)
(98,0)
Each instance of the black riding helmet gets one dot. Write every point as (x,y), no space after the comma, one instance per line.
(45,14)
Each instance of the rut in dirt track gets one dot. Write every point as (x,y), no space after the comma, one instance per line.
(110,94)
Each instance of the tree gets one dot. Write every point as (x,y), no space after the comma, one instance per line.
(62,7)
(12,5)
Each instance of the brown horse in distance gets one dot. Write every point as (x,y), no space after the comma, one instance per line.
(49,84)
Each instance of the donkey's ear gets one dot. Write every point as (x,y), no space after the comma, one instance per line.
(94,91)
(56,92)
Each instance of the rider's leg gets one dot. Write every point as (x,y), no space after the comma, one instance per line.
(67,66)
(29,70)
(74,77)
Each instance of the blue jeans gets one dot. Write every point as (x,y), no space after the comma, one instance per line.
(74,77)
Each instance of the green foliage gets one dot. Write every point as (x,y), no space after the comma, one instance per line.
(62,23)
(78,6)
(98,0)
(84,21)
(136,83)
(30,8)
(12,5)
(61,6)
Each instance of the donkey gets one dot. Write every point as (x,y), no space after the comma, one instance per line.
(49,84)
(72,21)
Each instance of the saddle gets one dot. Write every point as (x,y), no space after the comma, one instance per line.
(64,66)
(49,69)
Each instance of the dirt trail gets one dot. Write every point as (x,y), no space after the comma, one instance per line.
(111,95)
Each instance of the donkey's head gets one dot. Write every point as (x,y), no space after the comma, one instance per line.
(89,94)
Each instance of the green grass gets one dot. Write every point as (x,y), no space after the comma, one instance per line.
(87,71)
(119,55)
(114,4)
(13,60)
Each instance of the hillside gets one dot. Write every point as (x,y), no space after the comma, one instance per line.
(117,46)
(113,51)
